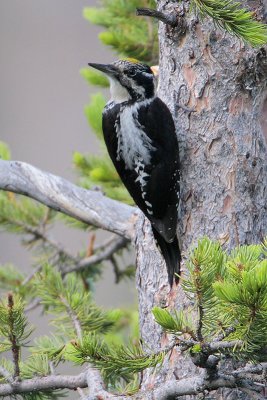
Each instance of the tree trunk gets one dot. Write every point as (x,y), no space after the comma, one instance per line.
(223,155)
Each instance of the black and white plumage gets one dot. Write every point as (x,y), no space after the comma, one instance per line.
(140,136)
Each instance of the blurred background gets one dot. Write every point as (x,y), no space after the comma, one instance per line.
(43,46)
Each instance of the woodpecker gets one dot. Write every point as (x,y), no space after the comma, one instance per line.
(140,136)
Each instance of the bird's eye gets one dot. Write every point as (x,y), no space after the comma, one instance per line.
(132,72)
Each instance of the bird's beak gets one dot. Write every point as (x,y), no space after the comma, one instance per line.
(108,69)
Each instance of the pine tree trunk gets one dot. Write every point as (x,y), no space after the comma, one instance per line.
(223,156)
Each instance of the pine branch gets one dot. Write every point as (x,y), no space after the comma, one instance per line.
(225,333)
(74,318)
(233,18)
(199,294)
(91,207)
(12,337)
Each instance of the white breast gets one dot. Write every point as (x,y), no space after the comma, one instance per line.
(133,144)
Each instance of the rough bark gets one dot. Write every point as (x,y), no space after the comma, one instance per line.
(88,206)
(223,156)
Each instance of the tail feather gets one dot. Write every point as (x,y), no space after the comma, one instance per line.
(171,254)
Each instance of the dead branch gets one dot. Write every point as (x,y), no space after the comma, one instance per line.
(88,206)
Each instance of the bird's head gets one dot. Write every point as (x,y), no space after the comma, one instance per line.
(129,80)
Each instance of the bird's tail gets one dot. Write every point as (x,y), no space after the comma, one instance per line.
(171,254)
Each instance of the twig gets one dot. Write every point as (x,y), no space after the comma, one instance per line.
(117,244)
(255,373)
(225,333)
(116,269)
(90,247)
(88,206)
(52,368)
(31,275)
(74,318)
(39,233)
(168,19)
(213,347)
(200,321)
(13,340)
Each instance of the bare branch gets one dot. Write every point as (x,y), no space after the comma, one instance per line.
(116,269)
(213,347)
(95,384)
(252,369)
(117,244)
(226,333)
(46,383)
(88,206)
(168,19)
(31,275)
(93,380)
(33,305)
(74,318)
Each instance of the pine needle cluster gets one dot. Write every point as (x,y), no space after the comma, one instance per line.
(83,334)
(127,35)
(232,17)
(229,294)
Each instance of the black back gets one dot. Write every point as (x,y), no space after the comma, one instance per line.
(162,187)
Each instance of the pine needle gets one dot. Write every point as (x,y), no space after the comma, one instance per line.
(233,18)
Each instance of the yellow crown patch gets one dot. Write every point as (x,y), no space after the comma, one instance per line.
(132,60)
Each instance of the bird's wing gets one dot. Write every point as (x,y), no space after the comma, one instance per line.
(162,189)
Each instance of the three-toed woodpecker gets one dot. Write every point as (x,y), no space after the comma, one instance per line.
(140,136)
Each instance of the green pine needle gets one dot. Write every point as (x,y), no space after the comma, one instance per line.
(128,35)
(233,18)
(173,324)
(114,361)
(13,322)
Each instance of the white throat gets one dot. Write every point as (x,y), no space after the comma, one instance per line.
(118,93)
